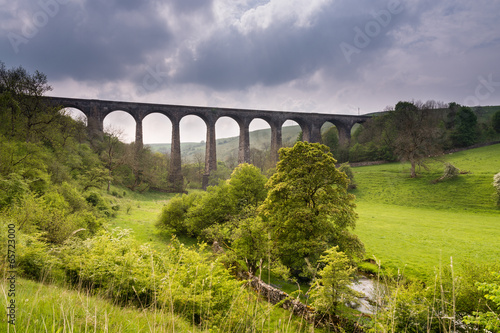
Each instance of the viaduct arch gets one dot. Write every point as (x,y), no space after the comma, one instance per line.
(310,123)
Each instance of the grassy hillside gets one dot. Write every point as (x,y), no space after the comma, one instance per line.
(415,225)
(227,148)
(484,113)
(49,308)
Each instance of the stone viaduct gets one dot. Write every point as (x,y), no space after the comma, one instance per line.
(310,123)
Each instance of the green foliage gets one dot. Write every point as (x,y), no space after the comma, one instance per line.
(195,213)
(96,200)
(495,121)
(28,160)
(332,286)
(371,141)
(468,298)
(51,308)
(52,215)
(414,133)
(496,185)
(406,310)
(193,173)
(20,99)
(173,215)
(411,306)
(465,130)
(35,261)
(12,189)
(226,213)
(73,197)
(215,207)
(187,281)
(222,173)
(331,139)
(308,207)
(346,168)
(251,242)
(247,186)
(489,320)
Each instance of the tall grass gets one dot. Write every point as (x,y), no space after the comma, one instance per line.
(121,285)
(50,308)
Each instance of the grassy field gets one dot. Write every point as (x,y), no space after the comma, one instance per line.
(139,212)
(415,225)
(410,225)
(49,308)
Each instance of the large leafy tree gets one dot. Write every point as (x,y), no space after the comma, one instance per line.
(216,213)
(495,121)
(308,208)
(465,132)
(414,133)
(24,113)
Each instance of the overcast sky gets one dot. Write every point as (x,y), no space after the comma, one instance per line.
(327,56)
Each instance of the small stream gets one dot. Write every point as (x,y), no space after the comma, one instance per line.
(368,288)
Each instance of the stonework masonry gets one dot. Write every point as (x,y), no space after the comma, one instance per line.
(310,123)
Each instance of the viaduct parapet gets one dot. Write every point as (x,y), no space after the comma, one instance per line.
(310,123)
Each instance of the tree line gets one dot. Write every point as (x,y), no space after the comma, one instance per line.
(413,131)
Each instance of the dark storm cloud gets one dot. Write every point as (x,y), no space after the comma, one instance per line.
(341,50)
(188,6)
(88,40)
(234,59)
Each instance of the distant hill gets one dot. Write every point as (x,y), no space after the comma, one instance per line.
(227,148)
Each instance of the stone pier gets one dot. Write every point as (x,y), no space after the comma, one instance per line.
(310,123)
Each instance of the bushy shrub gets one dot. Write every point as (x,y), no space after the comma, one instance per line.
(222,173)
(195,213)
(215,207)
(186,281)
(332,286)
(496,185)
(406,310)
(12,189)
(88,221)
(173,215)
(450,171)
(346,168)
(34,260)
(96,200)
(73,197)
(247,186)
(53,217)
(488,320)
(467,297)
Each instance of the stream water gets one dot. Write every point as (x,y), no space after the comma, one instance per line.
(367,287)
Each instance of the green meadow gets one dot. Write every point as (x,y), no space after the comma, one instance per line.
(415,225)
(410,225)
(50,308)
